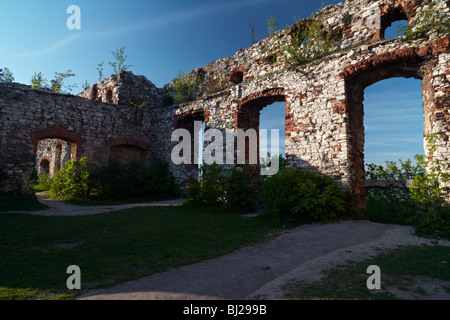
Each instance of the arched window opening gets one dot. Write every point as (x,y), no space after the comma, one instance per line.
(56,151)
(44,167)
(237,77)
(396,29)
(272,121)
(393,24)
(94,93)
(265,115)
(393,120)
(109,95)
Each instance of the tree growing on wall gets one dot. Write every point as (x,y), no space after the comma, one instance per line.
(58,81)
(38,81)
(100,71)
(6,76)
(119,63)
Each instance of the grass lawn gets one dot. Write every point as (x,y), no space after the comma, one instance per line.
(115,247)
(398,269)
(21,202)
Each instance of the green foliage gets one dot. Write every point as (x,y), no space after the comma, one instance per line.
(79,181)
(6,76)
(58,81)
(86,85)
(229,189)
(406,171)
(309,41)
(347,18)
(72,182)
(427,19)
(304,194)
(427,189)
(44,180)
(185,86)
(38,81)
(272,25)
(100,71)
(423,204)
(119,63)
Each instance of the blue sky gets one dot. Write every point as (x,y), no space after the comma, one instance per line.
(162,37)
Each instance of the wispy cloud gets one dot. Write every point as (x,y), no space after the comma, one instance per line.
(44,50)
(156,22)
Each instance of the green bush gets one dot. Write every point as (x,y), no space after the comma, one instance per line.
(229,189)
(79,181)
(185,86)
(304,194)
(423,204)
(72,182)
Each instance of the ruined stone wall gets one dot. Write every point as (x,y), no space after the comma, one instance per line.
(125,88)
(54,153)
(28,116)
(323,98)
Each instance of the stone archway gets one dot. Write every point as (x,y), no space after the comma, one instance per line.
(407,63)
(248,117)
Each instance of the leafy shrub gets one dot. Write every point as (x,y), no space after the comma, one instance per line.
(79,181)
(155,180)
(304,194)
(185,86)
(309,40)
(44,180)
(423,204)
(72,182)
(427,19)
(229,189)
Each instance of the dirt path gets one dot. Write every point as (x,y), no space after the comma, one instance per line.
(61,208)
(259,272)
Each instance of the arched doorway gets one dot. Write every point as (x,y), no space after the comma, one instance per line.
(248,118)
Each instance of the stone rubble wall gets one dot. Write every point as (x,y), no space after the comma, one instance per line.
(46,149)
(28,116)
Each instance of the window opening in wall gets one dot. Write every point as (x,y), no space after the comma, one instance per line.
(272,117)
(109,96)
(393,120)
(237,77)
(44,167)
(396,29)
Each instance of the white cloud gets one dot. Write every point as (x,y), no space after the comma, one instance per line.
(48,49)
(175,17)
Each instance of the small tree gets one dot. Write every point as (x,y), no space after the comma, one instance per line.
(58,81)
(86,85)
(272,25)
(38,81)
(100,71)
(428,189)
(6,76)
(119,64)
(185,86)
